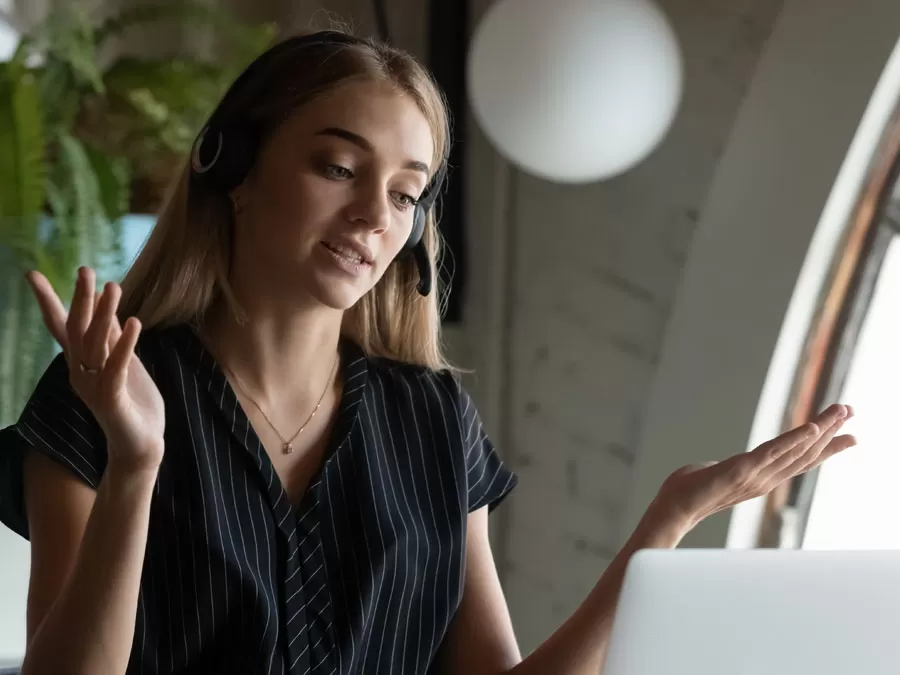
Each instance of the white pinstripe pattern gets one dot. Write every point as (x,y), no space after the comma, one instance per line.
(380,447)
(381,578)
(181,600)
(256,546)
(386,487)
(461,498)
(386,516)
(328,581)
(51,443)
(200,477)
(237,511)
(212,460)
(412,519)
(273,608)
(320,568)
(426,427)
(167,585)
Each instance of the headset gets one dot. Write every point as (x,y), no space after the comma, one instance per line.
(225,149)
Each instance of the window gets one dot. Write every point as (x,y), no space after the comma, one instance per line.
(9,36)
(853,356)
(856,501)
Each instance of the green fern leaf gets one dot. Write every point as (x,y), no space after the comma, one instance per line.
(68,37)
(22,167)
(88,224)
(113,181)
(246,41)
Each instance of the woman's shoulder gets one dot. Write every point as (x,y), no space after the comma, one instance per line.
(441,387)
(439,401)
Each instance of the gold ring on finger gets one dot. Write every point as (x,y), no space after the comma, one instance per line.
(87,369)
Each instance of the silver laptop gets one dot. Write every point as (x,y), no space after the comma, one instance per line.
(758,612)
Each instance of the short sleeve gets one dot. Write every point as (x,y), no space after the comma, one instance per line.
(489,481)
(57,423)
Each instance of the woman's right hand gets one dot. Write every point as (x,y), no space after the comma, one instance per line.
(104,370)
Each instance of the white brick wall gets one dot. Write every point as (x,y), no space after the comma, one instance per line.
(595,270)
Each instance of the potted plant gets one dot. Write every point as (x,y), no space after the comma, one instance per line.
(86,141)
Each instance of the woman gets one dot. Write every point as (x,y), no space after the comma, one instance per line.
(269,466)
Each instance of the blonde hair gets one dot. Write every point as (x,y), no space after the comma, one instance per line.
(183,268)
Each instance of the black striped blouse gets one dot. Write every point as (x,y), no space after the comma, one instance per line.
(363,577)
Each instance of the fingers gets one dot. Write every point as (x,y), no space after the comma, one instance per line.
(788,452)
(95,346)
(798,462)
(833,413)
(116,369)
(52,309)
(89,330)
(799,437)
(80,313)
(837,445)
(115,332)
(794,463)
(798,440)
(829,447)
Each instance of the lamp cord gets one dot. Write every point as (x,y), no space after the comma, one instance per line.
(381,20)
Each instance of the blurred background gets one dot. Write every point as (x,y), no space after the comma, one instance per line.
(673,230)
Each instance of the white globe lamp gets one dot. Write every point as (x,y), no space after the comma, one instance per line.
(574,91)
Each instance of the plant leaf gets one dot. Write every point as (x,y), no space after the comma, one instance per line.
(113,182)
(69,37)
(22,168)
(246,40)
(88,225)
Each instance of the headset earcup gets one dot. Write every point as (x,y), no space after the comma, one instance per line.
(206,151)
(418,228)
(415,244)
(224,157)
(424,267)
(238,155)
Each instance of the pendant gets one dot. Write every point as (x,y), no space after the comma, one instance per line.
(288,448)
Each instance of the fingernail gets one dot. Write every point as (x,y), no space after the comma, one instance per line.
(813,430)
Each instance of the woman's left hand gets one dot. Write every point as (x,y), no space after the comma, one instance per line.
(696,492)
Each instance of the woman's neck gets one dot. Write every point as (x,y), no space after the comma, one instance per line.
(275,355)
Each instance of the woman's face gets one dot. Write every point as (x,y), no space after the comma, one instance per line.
(330,201)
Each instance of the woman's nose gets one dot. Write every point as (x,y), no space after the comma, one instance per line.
(371,206)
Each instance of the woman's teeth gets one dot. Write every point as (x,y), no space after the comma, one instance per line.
(345,252)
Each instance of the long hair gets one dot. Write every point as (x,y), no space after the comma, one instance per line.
(183,268)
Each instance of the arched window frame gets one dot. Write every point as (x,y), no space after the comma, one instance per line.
(832,340)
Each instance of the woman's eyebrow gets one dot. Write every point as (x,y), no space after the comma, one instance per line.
(366,145)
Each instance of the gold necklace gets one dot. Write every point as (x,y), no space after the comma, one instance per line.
(287,446)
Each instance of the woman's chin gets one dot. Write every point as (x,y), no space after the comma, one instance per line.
(337,294)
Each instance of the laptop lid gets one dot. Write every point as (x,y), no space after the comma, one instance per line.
(758,612)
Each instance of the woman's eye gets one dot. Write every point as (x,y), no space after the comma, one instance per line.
(338,172)
(405,200)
